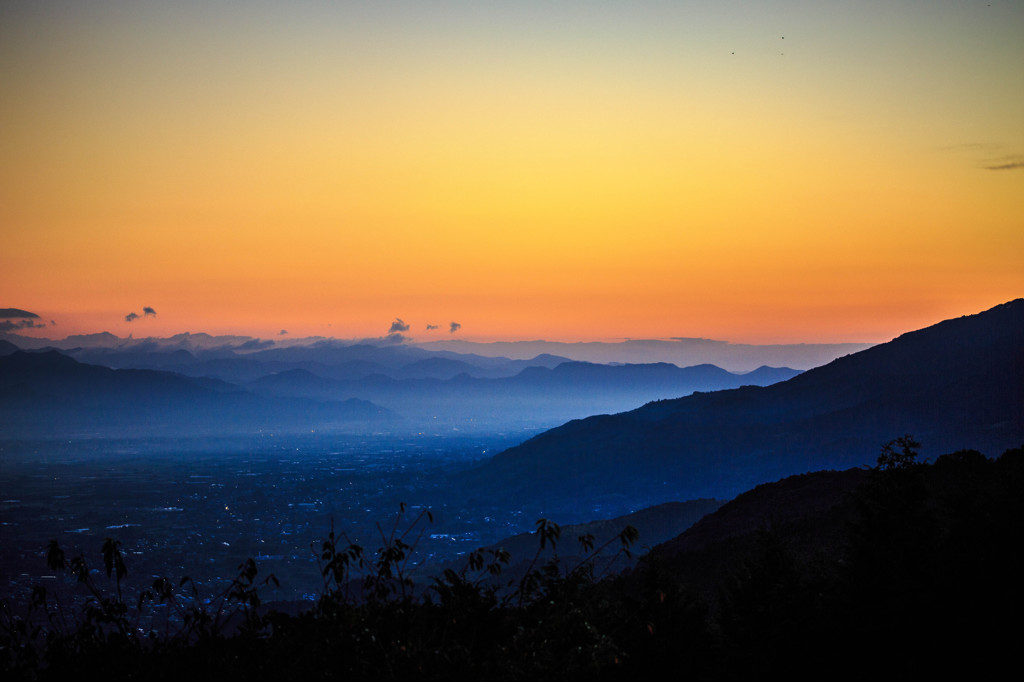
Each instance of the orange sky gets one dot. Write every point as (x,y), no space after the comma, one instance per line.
(757,172)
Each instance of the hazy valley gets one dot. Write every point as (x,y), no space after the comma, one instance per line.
(195,460)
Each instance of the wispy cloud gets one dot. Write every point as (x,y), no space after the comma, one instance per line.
(431,327)
(454,327)
(398,326)
(994,163)
(283,332)
(131,317)
(1006,163)
(149,311)
(8,326)
(256,344)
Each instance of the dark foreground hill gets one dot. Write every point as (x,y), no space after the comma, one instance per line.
(903,570)
(908,571)
(953,385)
(601,543)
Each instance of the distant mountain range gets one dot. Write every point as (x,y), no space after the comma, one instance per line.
(959,383)
(736,357)
(197,353)
(327,385)
(537,395)
(50,394)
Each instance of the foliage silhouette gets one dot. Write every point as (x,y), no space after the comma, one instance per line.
(899,453)
(918,586)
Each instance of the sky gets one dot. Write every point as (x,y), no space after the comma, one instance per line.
(759,172)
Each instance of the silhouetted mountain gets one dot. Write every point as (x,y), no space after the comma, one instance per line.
(48,393)
(906,567)
(335,352)
(535,397)
(585,376)
(790,500)
(203,355)
(737,357)
(142,356)
(955,384)
(292,382)
(434,368)
(477,398)
(202,340)
(765,376)
(87,340)
(56,374)
(812,510)
(490,359)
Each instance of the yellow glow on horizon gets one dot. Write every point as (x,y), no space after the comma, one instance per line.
(531,172)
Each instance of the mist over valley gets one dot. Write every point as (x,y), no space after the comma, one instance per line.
(197,459)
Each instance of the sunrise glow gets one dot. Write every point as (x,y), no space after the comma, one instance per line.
(757,172)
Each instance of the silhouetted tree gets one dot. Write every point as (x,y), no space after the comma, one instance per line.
(899,453)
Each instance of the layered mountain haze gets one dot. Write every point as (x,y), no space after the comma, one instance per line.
(500,358)
(48,394)
(235,385)
(813,544)
(736,357)
(537,395)
(956,384)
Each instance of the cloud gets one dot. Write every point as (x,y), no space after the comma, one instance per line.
(12,319)
(147,311)
(431,326)
(8,313)
(398,326)
(283,332)
(8,326)
(1012,163)
(396,338)
(994,163)
(454,327)
(255,344)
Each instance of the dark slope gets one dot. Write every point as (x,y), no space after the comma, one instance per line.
(812,510)
(53,373)
(907,570)
(955,384)
(655,525)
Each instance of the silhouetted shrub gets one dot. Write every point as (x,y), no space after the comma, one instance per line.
(922,583)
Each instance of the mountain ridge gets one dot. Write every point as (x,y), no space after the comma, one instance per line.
(954,384)
(51,393)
